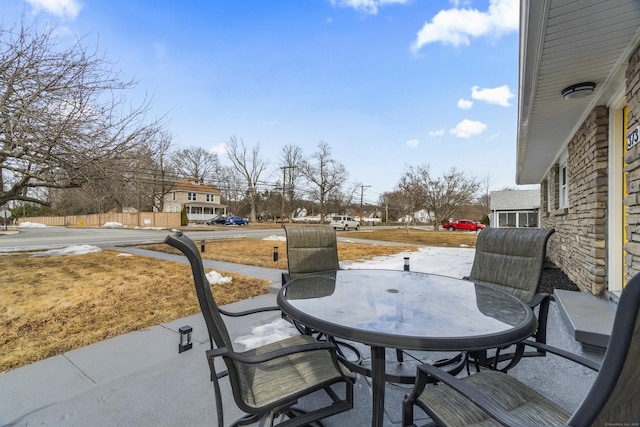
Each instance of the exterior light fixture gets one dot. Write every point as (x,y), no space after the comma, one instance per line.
(275,253)
(406,263)
(185,338)
(579,90)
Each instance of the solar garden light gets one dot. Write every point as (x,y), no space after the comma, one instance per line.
(185,338)
(275,253)
(406,263)
(201,245)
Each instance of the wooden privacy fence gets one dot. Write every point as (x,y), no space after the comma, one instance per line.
(140,219)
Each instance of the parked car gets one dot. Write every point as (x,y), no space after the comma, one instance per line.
(463,224)
(218,219)
(344,222)
(235,220)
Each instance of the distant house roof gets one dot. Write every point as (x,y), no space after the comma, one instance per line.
(515,200)
(193,184)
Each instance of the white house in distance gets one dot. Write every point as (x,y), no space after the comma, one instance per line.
(515,208)
(201,201)
(578,133)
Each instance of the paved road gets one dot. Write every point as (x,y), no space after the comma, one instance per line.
(28,239)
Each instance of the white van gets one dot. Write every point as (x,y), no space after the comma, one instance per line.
(344,222)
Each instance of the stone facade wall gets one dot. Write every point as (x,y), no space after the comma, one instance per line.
(632,170)
(544,199)
(579,243)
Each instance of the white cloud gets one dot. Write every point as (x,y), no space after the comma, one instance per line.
(458,3)
(438,132)
(465,104)
(458,26)
(412,143)
(62,8)
(468,128)
(499,95)
(220,149)
(366,6)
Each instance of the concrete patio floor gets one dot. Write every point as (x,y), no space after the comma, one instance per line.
(140,379)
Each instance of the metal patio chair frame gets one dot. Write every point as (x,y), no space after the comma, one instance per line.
(495,398)
(511,260)
(269,380)
(314,249)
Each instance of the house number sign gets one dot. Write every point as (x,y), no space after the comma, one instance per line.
(633,137)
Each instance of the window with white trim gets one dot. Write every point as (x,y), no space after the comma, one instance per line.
(549,198)
(563,199)
(191,197)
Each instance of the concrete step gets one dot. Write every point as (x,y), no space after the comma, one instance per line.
(588,317)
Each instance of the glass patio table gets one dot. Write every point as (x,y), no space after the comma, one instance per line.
(405,310)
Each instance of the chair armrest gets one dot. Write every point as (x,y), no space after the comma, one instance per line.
(286,277)
(480,400)
(253,359)
(564,354)
(539,298)
(247,312)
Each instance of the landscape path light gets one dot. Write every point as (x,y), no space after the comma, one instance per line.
(185,338)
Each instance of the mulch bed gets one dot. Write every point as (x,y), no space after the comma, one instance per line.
(554,278)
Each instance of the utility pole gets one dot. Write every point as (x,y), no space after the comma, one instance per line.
(386,213)
(361,197)
(284,179)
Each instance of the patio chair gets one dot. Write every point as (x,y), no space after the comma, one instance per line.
(511,260)
(310,249)
(492,398)
(269,380)
(313,249)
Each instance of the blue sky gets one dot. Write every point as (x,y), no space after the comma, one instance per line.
(386,83)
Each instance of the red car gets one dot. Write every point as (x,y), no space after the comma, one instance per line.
(463,224)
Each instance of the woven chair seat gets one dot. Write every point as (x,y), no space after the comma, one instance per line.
(514,397)
(295,372)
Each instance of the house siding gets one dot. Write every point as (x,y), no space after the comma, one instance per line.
(579,244)
(204,203)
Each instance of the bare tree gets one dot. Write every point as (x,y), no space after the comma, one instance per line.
(291,160)
(442,196)
(63,118)
(250,166)
(485,197)
(339,200)
(412,194)
(196,162)
(163,175)
(324,174)
(140,181)
(230,183)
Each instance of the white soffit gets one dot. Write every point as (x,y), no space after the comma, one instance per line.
(564,42)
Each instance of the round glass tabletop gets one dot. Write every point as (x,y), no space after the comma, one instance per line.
(407,310)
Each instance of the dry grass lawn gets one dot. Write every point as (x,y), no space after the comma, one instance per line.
(260,252)
(53,304)
(416,236)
